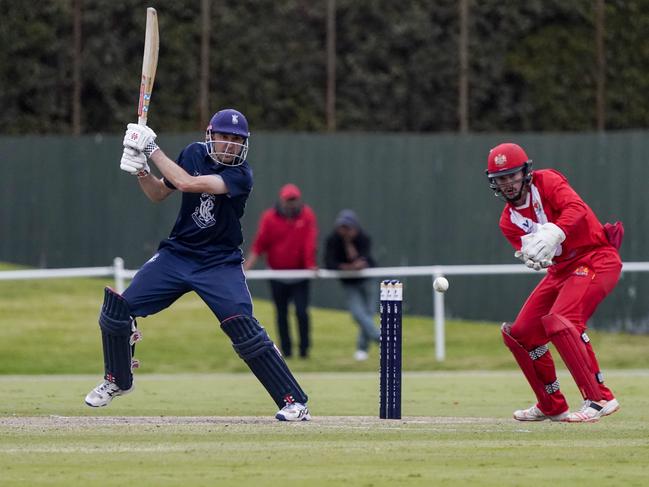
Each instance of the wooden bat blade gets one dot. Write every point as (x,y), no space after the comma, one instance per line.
(149,64)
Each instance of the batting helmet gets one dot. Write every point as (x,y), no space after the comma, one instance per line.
(505,159)
(229,122)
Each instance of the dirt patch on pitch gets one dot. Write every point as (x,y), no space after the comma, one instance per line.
(158,421)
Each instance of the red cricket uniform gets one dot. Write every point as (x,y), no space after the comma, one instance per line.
(586,270)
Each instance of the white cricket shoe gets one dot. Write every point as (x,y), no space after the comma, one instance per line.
(535,414)
(590,412)
(294,412)
(361,355)
(104,393)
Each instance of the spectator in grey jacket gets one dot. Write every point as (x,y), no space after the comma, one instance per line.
(348,247)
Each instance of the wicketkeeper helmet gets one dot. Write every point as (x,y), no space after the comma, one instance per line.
(507,159)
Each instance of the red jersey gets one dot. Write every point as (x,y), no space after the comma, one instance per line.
(563,207)
(289,243)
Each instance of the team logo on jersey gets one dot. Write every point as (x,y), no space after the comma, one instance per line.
(204,213)
(525,224)
(235,119)
(582,270)
(528,225)
(500,159)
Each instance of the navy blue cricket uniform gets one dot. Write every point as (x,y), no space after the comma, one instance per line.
(202,253)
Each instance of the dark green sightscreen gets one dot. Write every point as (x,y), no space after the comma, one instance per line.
(423,198)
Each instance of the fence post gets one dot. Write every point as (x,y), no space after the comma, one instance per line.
(118,269)
(438,311)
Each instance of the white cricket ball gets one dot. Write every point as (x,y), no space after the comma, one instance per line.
(440,284)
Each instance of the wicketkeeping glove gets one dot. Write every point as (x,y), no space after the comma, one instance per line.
(134,162)
(542,245)
(141,138)
(537,266)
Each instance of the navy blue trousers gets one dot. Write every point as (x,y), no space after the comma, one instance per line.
(168,275)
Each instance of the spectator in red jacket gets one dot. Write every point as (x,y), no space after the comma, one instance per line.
(287,235)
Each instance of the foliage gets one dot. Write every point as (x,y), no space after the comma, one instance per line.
(532,64)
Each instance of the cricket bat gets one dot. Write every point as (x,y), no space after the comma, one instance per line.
(149,64)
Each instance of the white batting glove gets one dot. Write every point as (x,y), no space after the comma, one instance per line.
(541,245)
(134,162)
(141,138)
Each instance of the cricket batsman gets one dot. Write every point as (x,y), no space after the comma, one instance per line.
(202,254)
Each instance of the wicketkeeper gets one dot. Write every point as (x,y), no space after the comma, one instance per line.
(550,227)
(202,254)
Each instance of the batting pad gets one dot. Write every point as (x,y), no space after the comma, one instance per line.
(572,349)
(254,346)
(116,329)
(525,360)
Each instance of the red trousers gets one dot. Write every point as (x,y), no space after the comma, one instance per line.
(573,294)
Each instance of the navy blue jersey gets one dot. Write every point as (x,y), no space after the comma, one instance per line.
(208,224)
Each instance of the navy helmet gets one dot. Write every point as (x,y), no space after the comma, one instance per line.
(228,122)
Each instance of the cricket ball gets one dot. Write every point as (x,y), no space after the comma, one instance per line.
(440,284)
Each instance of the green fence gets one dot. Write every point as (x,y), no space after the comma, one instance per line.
(423,198)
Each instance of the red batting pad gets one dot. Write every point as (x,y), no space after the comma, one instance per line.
(549,404)
(572,349)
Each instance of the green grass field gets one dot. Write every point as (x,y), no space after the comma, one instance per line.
(217,429)
(50,327)
(198,417)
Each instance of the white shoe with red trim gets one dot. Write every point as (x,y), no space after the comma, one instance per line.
(104,393)
(590,412)
(294,411)
(535,414)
